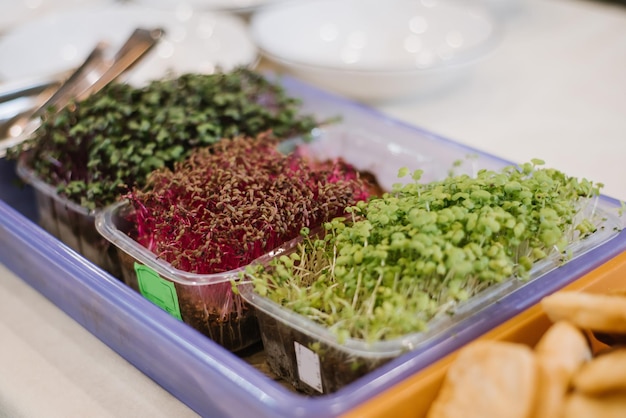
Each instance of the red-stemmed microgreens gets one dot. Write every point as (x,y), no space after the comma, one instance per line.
(228,204)
(401,259)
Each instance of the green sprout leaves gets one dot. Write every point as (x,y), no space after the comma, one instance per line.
(113,139)
(416,252)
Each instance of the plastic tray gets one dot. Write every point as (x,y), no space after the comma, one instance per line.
(211,380)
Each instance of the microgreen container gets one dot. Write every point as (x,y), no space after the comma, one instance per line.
(317,361)
(203,301)
(309,357)
(66,220)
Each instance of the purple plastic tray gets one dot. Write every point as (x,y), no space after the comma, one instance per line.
(203,375)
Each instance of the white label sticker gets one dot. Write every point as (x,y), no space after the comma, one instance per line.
(308,367)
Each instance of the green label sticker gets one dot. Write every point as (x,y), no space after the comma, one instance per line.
(157,290)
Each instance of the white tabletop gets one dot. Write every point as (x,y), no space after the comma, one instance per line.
(50,366)
(555,89)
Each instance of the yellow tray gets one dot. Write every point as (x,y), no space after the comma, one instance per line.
(413,396)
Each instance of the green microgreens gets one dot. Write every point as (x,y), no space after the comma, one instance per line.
(95,150)
(416,252)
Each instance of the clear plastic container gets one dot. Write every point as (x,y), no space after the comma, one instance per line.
(312,359)
(306,355)
(203,301)
(69,222)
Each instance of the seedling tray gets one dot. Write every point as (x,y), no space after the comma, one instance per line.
(210,379)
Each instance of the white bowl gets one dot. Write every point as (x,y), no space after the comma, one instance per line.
(374,49)
(17,12)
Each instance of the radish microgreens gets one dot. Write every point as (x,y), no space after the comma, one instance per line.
(230,203)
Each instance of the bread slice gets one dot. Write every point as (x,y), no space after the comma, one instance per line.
(605,373)
(589,311)
(488,379)
(578,405)
(560,353)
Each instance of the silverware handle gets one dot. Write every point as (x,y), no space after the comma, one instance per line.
(138,44)
(23,122)
(68,89)
(31,86)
